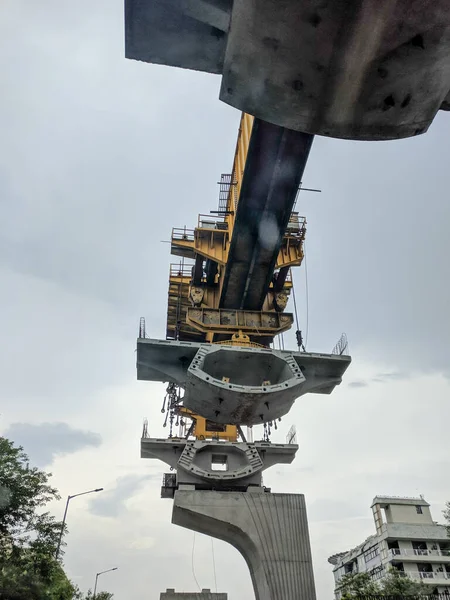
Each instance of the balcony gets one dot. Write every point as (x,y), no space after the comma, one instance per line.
(438,555)
(435,577)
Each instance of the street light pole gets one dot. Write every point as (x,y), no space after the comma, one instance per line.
(69,498)
(96,579)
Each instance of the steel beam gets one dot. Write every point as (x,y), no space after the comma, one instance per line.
(273,171)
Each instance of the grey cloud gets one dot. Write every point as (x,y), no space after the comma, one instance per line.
(112,503)
(381,378)
(358,384)
(44,442)
(67,347)
(396,376)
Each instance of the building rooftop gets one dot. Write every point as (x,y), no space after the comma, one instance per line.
(368,542)
(205,594)
(399,500)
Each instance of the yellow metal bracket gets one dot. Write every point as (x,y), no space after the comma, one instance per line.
(219,320)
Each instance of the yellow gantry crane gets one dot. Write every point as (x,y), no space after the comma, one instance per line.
(196,310)
(205,289)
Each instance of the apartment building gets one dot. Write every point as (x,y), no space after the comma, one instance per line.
(406,538)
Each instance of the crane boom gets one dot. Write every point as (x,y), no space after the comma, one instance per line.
(273,170)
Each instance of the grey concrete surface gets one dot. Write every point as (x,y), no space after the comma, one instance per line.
(355,69)
(166,32)
(269,530)
(219,386)
(243,463)
(205,594)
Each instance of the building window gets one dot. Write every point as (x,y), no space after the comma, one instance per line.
(419,510)
(371,553)
(377,572)
(350,567)
(420,548)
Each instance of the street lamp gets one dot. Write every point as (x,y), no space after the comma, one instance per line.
(69,498)
(96,578)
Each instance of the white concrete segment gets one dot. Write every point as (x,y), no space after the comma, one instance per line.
(234,385)
(193,459)
(353,69)
(269,530)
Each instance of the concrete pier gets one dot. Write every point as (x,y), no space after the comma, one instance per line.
(269,530)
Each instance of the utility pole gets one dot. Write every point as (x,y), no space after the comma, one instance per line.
(96,579)
(69,498)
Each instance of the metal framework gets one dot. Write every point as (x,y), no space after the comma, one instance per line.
(201,285)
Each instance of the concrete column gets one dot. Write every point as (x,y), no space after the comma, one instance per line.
(269,530)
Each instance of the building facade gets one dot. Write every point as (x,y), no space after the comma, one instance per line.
(406,538)
(205,594)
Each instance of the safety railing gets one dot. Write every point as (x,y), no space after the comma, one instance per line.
(296,226)
(183,234)
(210,222)
(424,575)
(177,270)
(341,346)
(429,575)
(419,552)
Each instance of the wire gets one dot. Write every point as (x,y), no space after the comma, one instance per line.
(179,301)
(307,296)
(295,304)
(214,564)
(192,561)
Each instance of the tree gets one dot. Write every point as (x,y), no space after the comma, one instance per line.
(98,596)
(397,584)
(24,491)
(19,581)
(356,585)
(28,536)
(446,513)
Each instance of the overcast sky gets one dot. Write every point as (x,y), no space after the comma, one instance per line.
(99,158)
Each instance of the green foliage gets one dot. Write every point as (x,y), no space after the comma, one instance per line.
(98,596)
(397,584)
(28,536)
(359,585)
(354,585)
(446,514)
(24,490)
(21,581)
